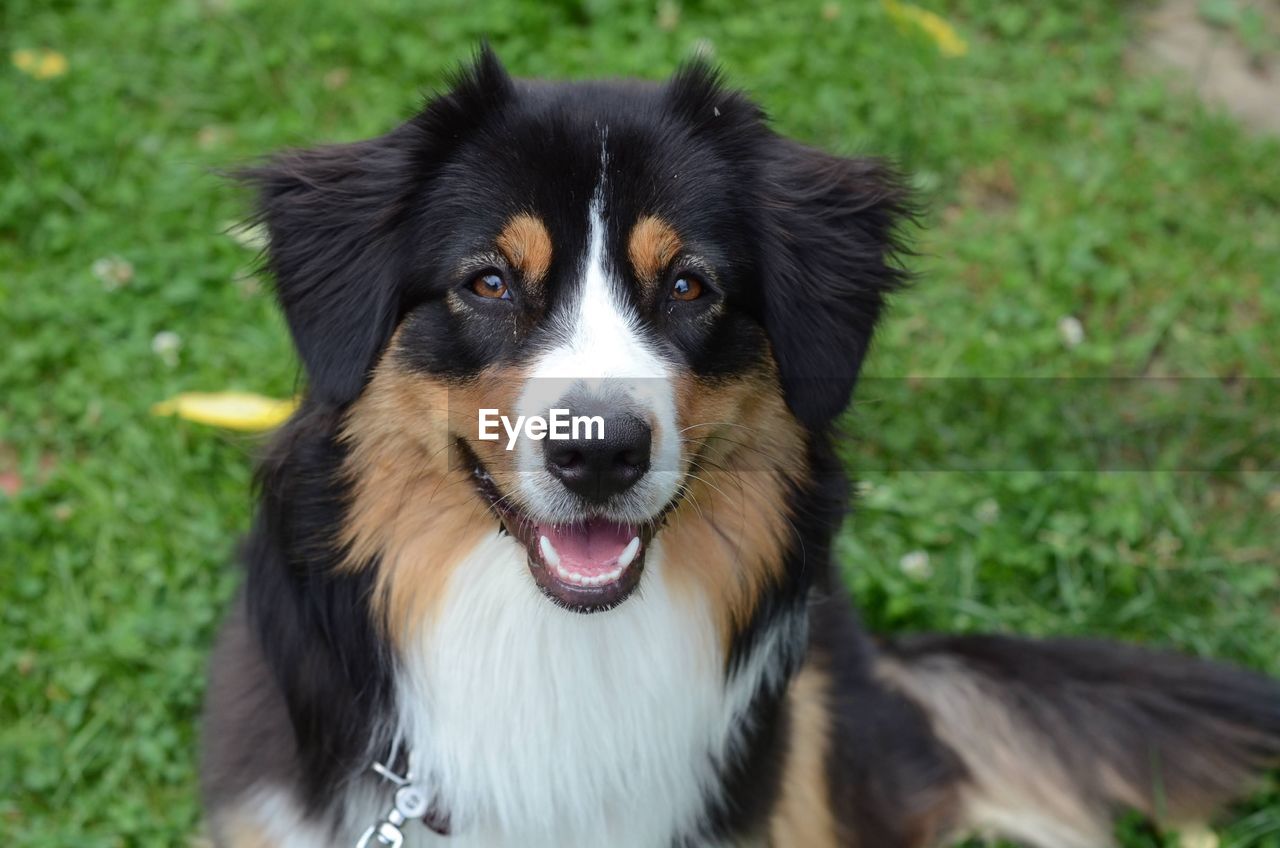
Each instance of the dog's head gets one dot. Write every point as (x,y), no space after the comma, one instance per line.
(650,260)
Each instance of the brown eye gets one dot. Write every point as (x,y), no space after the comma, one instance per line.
(491,285)
(686,287)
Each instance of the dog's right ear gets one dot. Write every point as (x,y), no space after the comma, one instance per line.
(331,216)
(337,242)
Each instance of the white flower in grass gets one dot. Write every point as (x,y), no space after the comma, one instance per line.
(166,344)
(987,512)
(112,271)
(916,565)
(250,236)
(1071,330)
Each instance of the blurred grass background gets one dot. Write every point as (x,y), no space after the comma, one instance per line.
(1086,221)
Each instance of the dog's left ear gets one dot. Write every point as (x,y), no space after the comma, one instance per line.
(831,239)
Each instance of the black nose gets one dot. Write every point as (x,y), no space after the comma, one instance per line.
(598,469)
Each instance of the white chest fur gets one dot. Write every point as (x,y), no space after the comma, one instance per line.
(539,726)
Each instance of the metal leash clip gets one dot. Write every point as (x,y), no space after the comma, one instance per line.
(410,802)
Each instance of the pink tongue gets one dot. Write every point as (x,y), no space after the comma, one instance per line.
(590,547)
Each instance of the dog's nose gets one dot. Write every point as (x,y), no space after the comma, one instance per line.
(599,468)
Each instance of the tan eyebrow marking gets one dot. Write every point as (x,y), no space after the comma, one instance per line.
(526,244)
(652,247)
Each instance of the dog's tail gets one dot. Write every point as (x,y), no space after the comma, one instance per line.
(1059,736)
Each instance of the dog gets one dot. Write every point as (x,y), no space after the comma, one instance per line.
(632,635)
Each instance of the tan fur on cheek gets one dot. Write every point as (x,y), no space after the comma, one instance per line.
(526,244)
(653,245)
(803,814)
(746,454)
(415,510)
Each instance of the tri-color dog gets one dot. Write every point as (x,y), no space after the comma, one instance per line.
(637,637)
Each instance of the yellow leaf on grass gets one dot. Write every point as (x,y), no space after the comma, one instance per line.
(949,42)
(41,64)
(232,410)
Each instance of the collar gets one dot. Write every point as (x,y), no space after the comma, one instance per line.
(409,802)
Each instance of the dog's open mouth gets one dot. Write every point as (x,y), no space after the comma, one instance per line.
(588,565)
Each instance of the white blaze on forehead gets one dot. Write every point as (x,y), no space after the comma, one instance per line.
(602,341)
(602,351)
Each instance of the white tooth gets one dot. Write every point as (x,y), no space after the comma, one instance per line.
(549,553)
(629,552)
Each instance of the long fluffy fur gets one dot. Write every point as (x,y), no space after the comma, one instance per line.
(1058,736)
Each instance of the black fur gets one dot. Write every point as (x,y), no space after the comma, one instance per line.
(832,236)
(332,666)
(890,776)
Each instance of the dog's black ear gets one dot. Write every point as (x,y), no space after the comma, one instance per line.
(332,217)
(335,217)
(830,249)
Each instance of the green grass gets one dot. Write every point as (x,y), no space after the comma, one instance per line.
(1060,185)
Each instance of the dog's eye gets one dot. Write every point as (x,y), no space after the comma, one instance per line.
(491,285)
(686,287)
